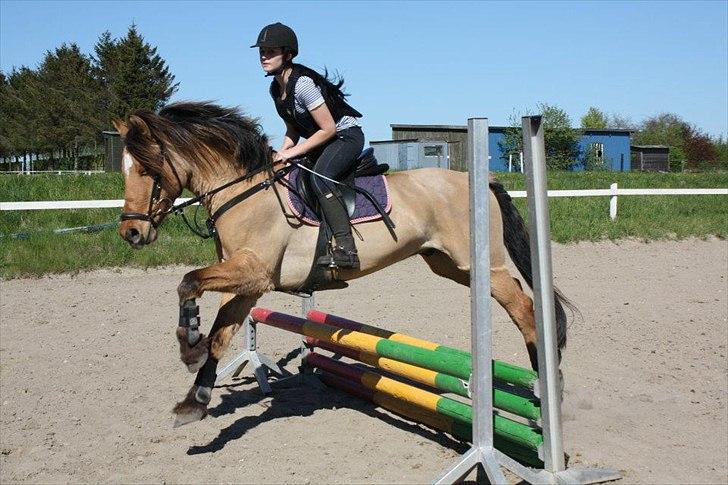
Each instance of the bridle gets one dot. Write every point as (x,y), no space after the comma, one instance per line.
(155,211)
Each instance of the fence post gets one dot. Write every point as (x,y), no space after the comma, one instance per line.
(613,201)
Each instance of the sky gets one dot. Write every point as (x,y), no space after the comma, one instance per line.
(420,62)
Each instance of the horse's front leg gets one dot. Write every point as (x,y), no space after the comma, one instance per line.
(243,274)
(230,317)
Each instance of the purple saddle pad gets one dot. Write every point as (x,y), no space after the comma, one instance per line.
(364,210)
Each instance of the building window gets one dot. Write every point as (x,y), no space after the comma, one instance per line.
(433,151)
(597,150)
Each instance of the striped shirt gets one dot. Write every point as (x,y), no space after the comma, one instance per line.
(307,96)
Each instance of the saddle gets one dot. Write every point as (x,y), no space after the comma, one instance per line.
(305,205)
(365,194)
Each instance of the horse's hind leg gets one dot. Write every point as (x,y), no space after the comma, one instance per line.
(442,265)
(504,288)
(508,292)
(231,316)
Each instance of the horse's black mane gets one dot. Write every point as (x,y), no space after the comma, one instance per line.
(218,126)
(201,132)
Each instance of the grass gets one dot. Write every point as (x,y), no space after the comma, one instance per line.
(644,217)
(39,251)
(30,248)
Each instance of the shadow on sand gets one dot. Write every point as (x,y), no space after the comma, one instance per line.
(300,396)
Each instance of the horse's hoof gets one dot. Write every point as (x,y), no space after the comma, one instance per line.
(189,410)
(193,357)
(190,417)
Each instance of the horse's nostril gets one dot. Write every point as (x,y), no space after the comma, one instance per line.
(132,235)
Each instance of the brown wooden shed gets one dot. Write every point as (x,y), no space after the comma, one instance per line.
(456,137)
(650,158)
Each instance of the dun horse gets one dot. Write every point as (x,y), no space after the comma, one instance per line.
(203,147)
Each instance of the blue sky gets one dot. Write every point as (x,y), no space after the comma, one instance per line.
(421,62)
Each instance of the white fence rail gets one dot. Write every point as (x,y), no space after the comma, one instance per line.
(613,192)
(54,172)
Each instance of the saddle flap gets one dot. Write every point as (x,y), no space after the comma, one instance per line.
(308,194)
(304,204)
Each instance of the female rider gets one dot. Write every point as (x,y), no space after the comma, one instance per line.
(314,108)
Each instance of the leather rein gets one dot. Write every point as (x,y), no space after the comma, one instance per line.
(155,210)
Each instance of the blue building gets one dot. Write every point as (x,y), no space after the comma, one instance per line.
(611,145)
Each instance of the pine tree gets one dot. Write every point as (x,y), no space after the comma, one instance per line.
(134,75)
(19,104)
(106,67)
(69,113)
(5,146)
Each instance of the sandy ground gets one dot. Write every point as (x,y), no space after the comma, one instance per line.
(89,371)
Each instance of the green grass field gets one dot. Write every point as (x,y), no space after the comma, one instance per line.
(30,248)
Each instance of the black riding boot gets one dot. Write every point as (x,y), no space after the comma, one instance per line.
(344,254)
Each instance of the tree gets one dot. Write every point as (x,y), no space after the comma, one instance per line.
(721,151)
(133,74)
(5,146)
(69,112)
(511,145)
(562,148)
(664,129)
(620,122)
(560,138)
(699,149)
(595,119)
(19,104)
(106,67)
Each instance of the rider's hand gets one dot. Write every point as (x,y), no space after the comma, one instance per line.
(285,155)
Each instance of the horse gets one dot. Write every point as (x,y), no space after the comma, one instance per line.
(223,156)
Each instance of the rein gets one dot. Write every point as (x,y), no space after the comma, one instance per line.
(273,178)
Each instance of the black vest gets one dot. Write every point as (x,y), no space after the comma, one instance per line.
(304,122)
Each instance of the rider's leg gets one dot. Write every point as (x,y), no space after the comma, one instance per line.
(335,162)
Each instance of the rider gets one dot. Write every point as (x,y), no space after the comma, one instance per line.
(313,107)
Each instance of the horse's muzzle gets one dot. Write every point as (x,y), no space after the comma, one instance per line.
(138,237)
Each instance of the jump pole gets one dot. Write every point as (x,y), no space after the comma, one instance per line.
(483,455)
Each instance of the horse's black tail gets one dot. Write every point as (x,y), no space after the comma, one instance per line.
(516,239)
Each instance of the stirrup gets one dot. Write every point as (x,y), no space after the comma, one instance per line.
(340,258)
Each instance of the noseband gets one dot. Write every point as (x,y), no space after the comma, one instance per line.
(154,209)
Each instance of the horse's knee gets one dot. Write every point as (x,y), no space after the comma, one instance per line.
(189,287)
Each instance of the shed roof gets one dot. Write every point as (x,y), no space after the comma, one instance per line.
(406,140)
(496,128)
(605,130)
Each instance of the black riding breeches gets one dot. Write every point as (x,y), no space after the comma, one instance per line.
(337,159)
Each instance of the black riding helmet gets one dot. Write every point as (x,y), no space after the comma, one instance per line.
(278,35)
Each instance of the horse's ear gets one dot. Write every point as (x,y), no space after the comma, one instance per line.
(120,126)
(141,125)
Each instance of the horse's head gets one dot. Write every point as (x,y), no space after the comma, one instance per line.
(151,181)
(194,145)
